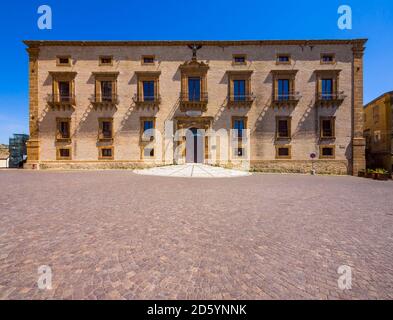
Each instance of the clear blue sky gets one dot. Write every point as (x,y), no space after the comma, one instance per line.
(185,20)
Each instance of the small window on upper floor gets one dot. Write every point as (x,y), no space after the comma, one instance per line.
(106,60)
(328,58)
(239,59)
(148,59)
(283,59)
(63,61)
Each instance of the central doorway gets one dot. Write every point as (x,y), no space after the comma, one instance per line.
(194,146)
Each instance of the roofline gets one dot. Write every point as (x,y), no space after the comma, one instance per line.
(38,43)
(380,97)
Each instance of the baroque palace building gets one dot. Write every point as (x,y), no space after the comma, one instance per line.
(299,102)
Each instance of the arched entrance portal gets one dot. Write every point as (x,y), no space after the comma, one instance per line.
(194,146)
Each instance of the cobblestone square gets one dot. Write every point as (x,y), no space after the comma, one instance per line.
(119,235)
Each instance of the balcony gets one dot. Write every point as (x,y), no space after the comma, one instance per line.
(240,101)
(146,101)
(105,101)
(196,102)
(59,101)
(290,99)
(330,99)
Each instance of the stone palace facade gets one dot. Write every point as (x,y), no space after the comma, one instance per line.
(288,105)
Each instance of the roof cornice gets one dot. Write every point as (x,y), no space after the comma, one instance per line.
(40,43)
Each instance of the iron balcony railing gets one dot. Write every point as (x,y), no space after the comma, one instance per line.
(61,98)
(331,96)
(146,99)
(105,98)
(194,97)
(295,96)
(241,98)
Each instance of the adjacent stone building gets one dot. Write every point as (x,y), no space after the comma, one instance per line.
(92,103)
(378,132)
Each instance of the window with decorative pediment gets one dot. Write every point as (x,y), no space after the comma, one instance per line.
(239,88)
(327,88)
(148,89)
(105,94)
(284,91)
(63,90)
(193,96)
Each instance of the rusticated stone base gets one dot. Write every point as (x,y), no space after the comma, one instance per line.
(101,165)
(339,167)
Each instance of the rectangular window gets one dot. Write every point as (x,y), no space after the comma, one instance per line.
(283,127)
(64,61)
(239,59)
(194,89)
(64,154)
(283,89)
(106,91)
(147,59)
(147,124)
(327,127)
(106,153)
(283,152)
(64,91)
(283,59)
(239,90)
(148,91)
(327,152)
(106,129)
(327,89)
(106,61)
(239,125)
(327,58)
(63,129)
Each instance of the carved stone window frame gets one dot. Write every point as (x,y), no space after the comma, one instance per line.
(234,75)
(148,56)
(143,76)
(60,64)
(101,136)
(105,76)
(333,55)
(284,75)
(58,153)
(103,64)
(142,143)
(323,146)
(101,157)
(333,126)
(278,55)
(58,136)
(283,146)
(239,55)
(62,76)
(288,119)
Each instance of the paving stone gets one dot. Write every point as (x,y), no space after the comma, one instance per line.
(121,235)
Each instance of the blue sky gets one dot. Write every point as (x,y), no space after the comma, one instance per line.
(185,20)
